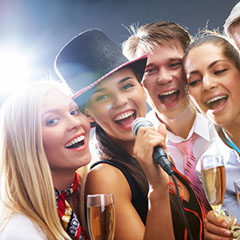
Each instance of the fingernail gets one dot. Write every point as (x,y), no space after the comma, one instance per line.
(227,233)
(224,225)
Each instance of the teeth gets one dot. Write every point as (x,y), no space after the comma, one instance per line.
(215,99)
(74,141)
(168,93)
(124,115)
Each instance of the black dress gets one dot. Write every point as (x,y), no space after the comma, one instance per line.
(193,209)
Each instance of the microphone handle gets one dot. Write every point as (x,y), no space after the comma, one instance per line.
(160,157)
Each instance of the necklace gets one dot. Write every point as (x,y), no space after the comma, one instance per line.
(230,142)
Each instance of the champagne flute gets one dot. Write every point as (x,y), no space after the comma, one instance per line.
(101,216)
(237,189)
(214,184)
(213,180)
(236,229)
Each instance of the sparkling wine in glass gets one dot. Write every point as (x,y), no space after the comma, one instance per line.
(237,189)
(213,180)
(101,216)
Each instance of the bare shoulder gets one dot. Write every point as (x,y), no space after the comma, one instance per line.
(105,178)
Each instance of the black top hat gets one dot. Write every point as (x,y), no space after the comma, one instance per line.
(89,58)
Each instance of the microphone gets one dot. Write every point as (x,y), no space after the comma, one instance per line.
(159,155)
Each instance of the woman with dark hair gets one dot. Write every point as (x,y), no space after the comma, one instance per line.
(212,67)
(145,201)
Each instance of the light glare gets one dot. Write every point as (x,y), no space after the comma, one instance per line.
(14,71)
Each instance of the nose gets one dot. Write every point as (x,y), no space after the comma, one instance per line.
(209,82)
(164,76)
(74,122)
(118,100)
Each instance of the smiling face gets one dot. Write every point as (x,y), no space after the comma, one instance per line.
(214,83)
(164,79)
(65,132)
(116,102)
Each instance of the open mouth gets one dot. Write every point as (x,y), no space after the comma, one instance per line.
(75,143)
(169,97)
(125,118)
(217,101)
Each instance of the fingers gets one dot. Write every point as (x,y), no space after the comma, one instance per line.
(162,129)
(216,228)
(147,138)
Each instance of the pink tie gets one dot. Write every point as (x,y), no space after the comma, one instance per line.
(186,147)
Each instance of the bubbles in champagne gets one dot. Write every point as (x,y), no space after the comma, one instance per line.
(214,182)
(101,222)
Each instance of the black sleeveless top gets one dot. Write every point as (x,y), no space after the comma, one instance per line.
(193,209)
(139,200)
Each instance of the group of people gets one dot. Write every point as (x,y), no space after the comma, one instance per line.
(193,89)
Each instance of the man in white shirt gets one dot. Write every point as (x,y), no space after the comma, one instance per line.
(164,81)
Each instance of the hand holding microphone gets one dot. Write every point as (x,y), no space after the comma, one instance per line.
(159,155)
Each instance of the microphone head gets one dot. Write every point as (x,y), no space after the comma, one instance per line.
(140,122)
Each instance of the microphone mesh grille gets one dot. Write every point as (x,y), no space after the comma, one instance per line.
(140,122)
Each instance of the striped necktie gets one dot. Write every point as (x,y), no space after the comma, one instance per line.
(186,147)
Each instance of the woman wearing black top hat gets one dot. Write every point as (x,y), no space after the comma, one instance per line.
(112,96)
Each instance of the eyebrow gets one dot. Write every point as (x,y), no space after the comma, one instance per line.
(55,110)
(49,111)
(149,65)
(120,82)
(209,67)
(176,58)
(213,63)
(169,60)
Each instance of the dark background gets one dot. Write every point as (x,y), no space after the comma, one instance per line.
(39,28)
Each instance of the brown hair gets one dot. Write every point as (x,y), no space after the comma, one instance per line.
(206,36)
(150,35)
(108,149)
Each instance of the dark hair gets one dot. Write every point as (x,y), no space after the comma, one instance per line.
(110,150)
(216,39)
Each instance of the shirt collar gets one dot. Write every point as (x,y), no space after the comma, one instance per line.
(200,126)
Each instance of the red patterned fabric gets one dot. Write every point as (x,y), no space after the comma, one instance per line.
(203,214)
(68,217)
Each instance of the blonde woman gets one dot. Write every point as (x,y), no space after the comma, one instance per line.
(44,141)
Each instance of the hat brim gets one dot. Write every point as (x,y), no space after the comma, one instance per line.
(137,65)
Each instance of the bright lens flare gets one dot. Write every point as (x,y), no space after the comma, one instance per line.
(14,71)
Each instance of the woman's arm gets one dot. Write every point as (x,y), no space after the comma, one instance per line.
(159,219)
(105,178)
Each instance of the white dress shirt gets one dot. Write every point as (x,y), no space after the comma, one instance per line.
(232,170)
(208,143)
(201,126)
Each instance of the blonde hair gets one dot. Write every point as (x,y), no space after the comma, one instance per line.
(25,177)
(151,35)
